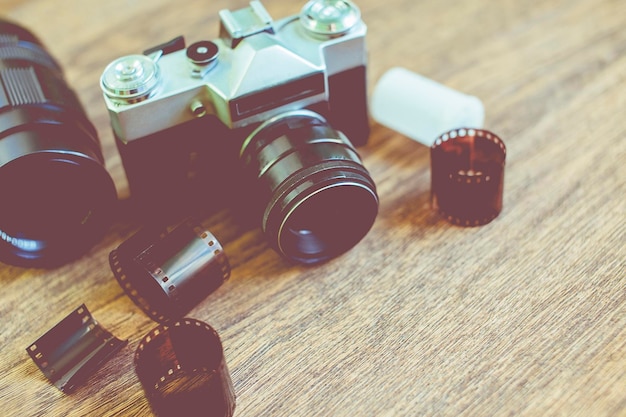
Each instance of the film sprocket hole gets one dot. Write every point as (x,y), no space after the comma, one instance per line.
(188,122)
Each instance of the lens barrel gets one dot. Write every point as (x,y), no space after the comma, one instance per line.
(319,200)
(56,194)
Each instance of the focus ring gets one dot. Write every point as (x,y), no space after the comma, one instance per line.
(23,51)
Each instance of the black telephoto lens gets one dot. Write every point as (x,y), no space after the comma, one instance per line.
(319,200)
(56,194)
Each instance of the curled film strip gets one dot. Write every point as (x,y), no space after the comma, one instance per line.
(183,371)
(167,273)
(467,175)
(74,349)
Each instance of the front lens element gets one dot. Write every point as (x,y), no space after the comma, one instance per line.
(321,224)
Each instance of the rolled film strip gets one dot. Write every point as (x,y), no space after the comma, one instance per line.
(167,273)
(183,371)
(467,176)
(74,349)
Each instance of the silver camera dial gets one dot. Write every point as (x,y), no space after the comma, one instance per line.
(130,79)
(329,18)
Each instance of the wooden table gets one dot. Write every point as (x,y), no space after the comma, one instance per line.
(523,316)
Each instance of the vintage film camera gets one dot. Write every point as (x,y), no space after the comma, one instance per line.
(264,116)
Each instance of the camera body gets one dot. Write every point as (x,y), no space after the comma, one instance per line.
(181,114)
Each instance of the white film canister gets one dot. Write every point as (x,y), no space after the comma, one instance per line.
(421,108)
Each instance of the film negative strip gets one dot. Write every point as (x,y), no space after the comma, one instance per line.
(467,175)
(183,371)
(74,349)
(167,273)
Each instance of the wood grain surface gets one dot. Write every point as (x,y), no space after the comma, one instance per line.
(524,316)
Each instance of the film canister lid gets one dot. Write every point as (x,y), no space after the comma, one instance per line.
(183,371)
(467,176)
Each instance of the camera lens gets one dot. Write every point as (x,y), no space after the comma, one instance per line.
(319,200)
(56,193)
